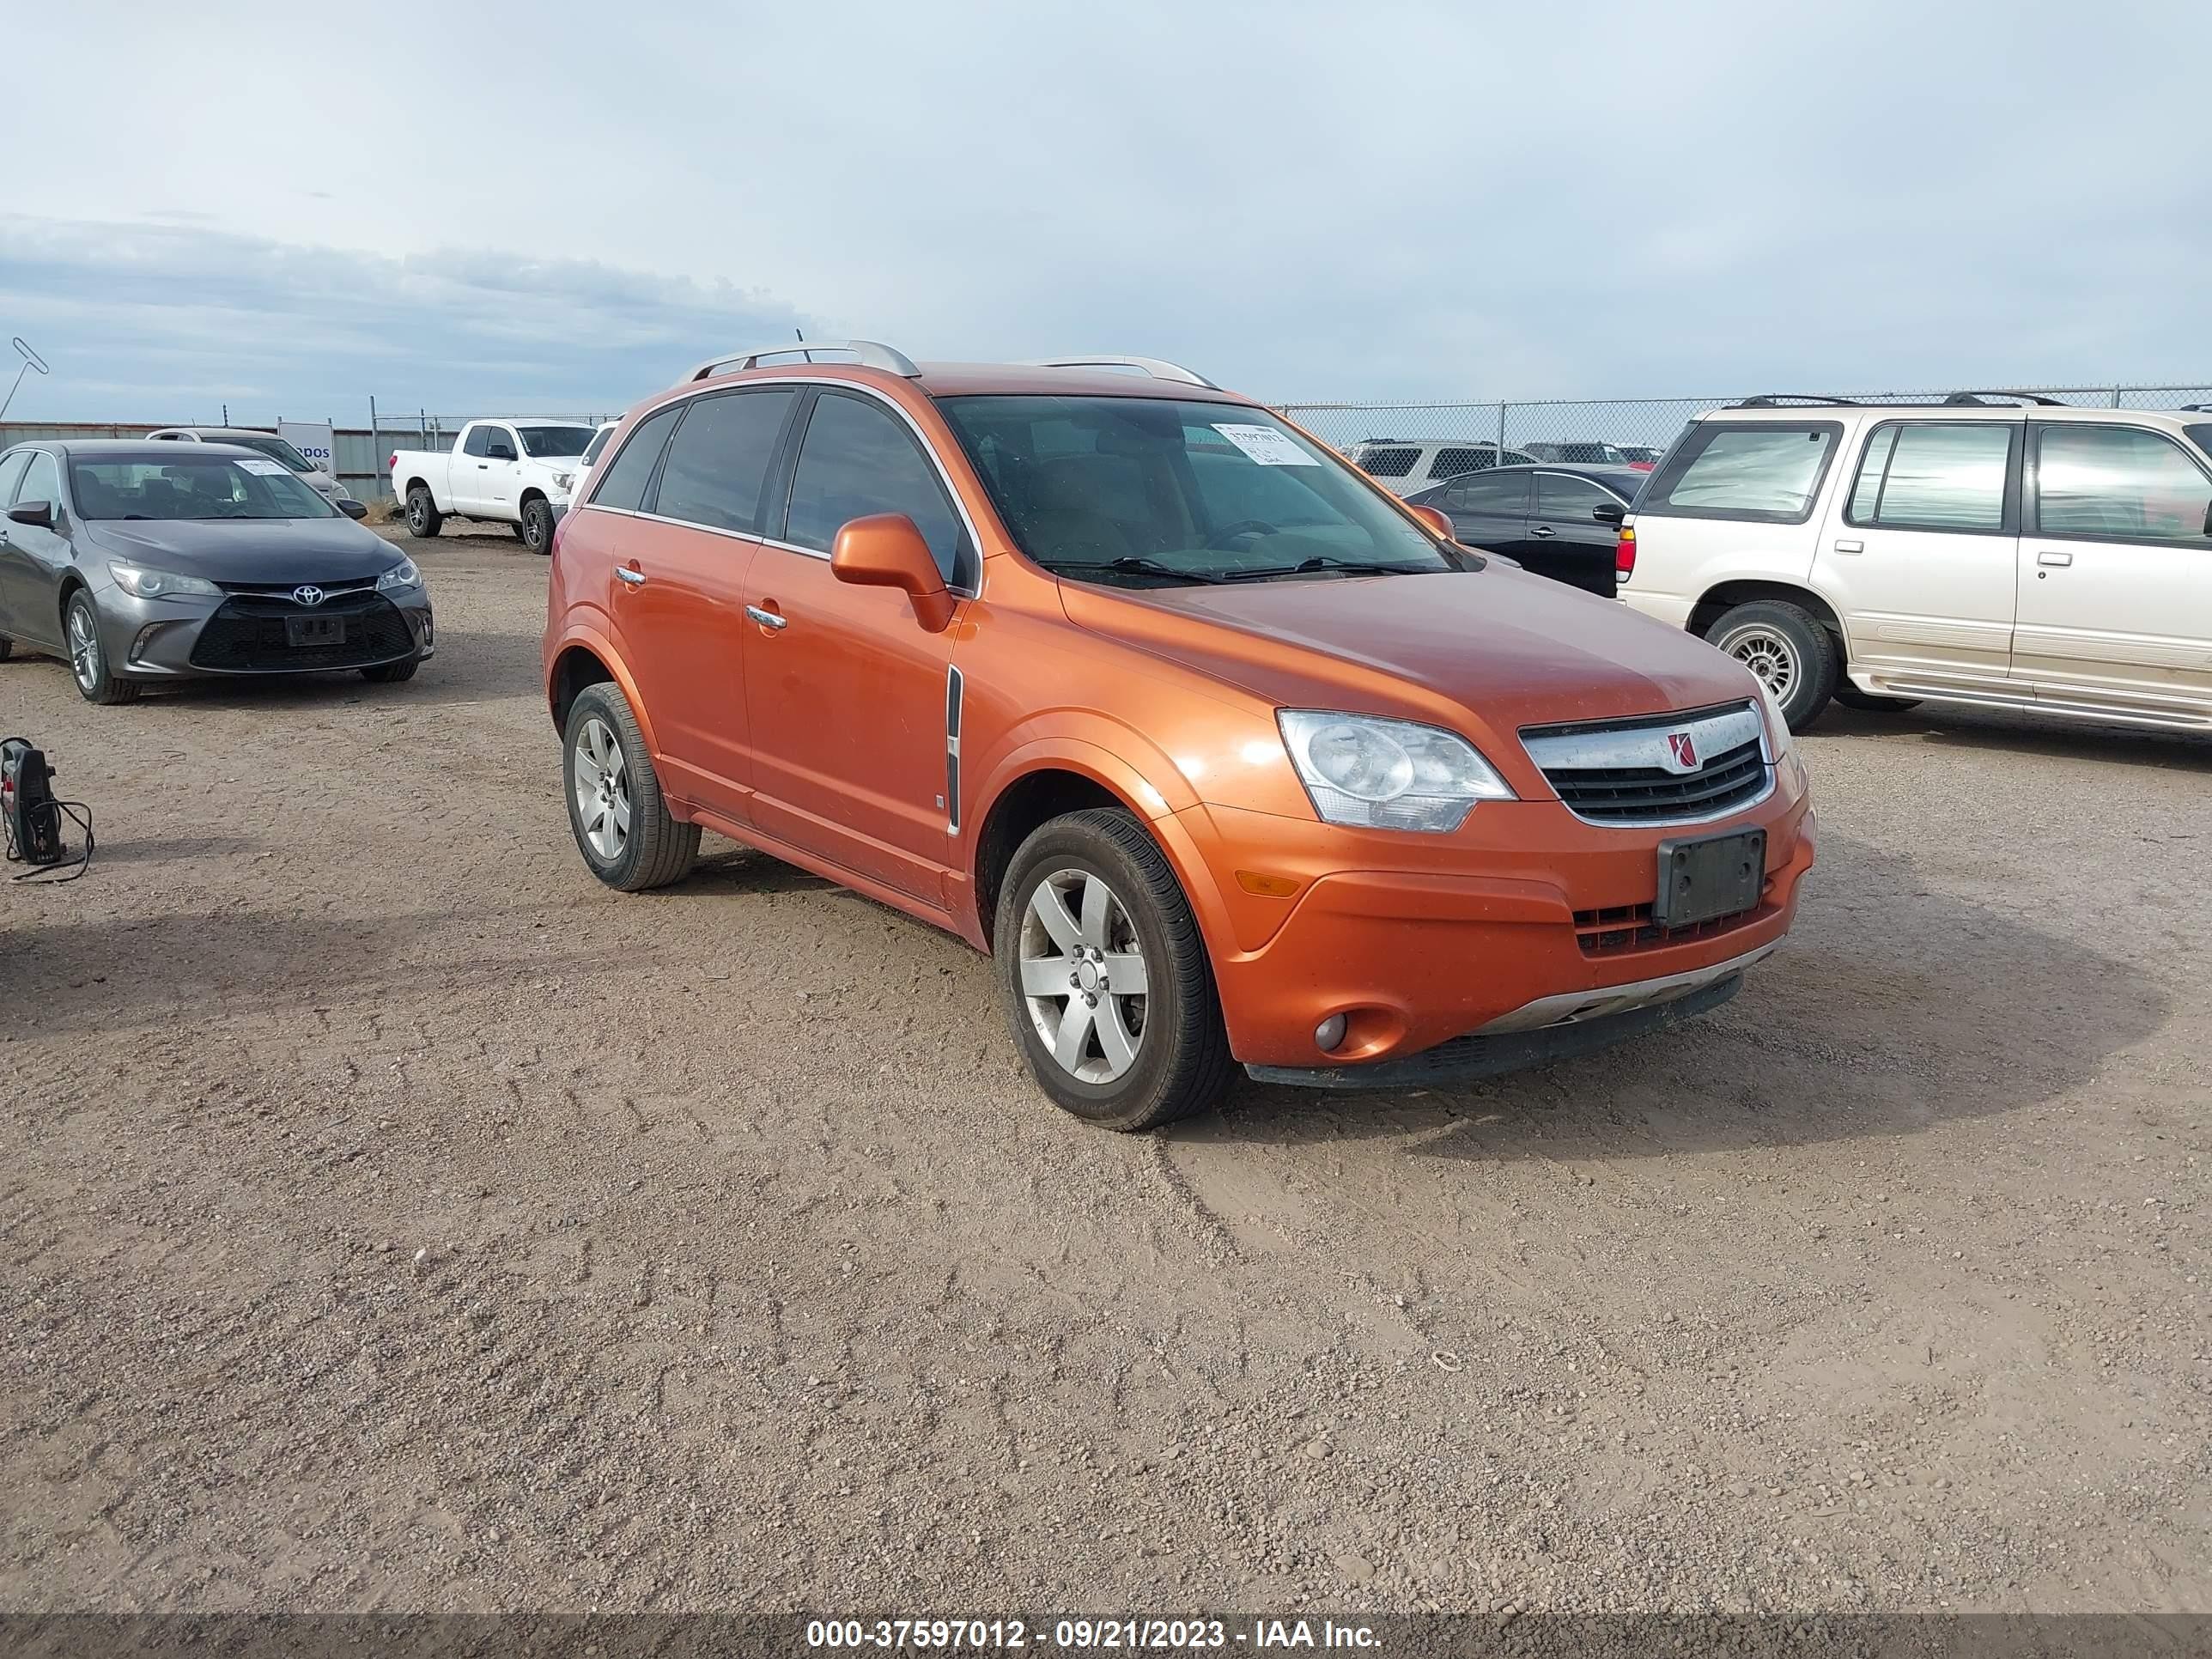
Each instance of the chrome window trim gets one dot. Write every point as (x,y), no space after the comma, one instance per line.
(710,389)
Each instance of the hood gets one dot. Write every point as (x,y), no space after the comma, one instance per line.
(1493,649)
(258,550)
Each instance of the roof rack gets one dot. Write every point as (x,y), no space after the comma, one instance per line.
(2196,409)
(2035,397)
(1776,399)
(1158,368)
(869,354)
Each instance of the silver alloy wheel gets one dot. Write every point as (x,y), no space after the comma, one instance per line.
(601,789)
(1083,976)
(84,646)
(1767,655)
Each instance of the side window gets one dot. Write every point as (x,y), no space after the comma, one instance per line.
(478,442)
(719,458)
(1934,474)
(11,468)
(860,458)
(43,482)
(596,447)
(499,444)
(1450,462)
(2120,482)
(1389,463)
(1759,473)
(1563,500)
(1505,493)
(623,483)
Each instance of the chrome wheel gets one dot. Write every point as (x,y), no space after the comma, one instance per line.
(84,646)
(1767,655)
(1083,976)
(601,789)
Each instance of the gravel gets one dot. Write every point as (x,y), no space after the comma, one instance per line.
(395,1218)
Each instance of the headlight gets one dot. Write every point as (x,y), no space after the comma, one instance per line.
(402,574)
(562,480)
(1387,774)
(141,583)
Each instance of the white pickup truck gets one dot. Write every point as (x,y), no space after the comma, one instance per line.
(516,471)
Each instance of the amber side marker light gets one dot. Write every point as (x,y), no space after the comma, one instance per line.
(1252,881)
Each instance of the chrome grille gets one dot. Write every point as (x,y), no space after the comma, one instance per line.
(1633,772)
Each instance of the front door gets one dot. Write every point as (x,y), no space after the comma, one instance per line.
(2115,575)
(11,473)
(469,482)
(499,479)
(847,691)
(1567,539)
(34,559)
(1490,510)
(1917,554)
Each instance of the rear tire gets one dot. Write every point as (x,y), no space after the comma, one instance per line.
(89,657)
(1140,1059)
(1785,645)
(423,518)
(536,526)
(1866,703)
(622,826)
(391,673)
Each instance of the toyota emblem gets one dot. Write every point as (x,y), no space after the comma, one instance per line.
(309,595)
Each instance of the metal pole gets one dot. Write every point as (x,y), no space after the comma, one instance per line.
(375,443)
(2116,397)
(1501,434)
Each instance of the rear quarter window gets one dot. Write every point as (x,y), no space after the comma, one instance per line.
(1759,473)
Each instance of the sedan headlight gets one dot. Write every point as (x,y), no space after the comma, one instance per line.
(402,574)
(141,583)
(1387,774)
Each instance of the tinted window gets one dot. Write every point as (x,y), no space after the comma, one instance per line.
(1767,473)
(1450,462)
(2201,436)
(43,482)
(1934,475)
(11,468)
(622,484)
(1387,463)
(499,444)
(1500,492)
(719,458)
(598,446)
(860,458)
(1559,497)
(555,442)
(2119,480)
(478,442)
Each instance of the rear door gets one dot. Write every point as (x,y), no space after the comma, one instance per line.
(1918,553)
(680,585)
(33,561)
(2115,574)
(1566,541)
(847,692)
(1490,510)
(500,476)
(12,467)
(470,484)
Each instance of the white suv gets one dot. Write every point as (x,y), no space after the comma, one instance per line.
(1402,465)
(2025,555)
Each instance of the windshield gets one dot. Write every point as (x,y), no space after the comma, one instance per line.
(1144,491)
(199,487)
(549,442)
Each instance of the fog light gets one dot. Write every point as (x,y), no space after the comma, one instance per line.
(1329,1033)
(146,636)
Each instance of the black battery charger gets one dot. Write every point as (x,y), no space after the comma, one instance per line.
(31,818)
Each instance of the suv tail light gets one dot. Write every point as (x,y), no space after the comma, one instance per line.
(1624,553)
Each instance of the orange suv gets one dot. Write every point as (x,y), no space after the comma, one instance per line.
(1224,754)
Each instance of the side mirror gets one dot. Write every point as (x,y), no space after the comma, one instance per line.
(352,508)
(40,514)
(498,453)
(1608,513)
(886,550)
(1436,518)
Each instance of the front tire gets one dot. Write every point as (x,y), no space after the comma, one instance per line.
(623,827)
(536,526)
(1106,981)
(89,657)
(423,518)
(1786,646)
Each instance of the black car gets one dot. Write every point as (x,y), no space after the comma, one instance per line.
(1560,521)
(147,562)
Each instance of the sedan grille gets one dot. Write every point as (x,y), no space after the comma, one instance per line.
(249,635)
(1666,768)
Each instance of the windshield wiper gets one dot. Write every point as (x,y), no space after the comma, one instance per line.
(1132,566)
(1330,561)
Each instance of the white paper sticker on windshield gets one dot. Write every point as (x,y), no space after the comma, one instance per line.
(1266,446)
(254,464)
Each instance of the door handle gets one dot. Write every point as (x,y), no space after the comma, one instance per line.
(2052,555)
(768,619)
(1542,531)
(1850,547)
(635,578)
(484,466)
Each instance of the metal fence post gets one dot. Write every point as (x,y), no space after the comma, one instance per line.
(1501,434)
(2116,397)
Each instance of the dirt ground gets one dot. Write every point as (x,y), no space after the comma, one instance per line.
(394,1218)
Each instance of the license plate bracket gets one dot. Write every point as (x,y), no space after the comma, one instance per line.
(1702,878)
(309,631)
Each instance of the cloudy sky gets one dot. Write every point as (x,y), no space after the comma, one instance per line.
(288,210)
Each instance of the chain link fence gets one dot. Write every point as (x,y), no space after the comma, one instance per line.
(1407,446)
